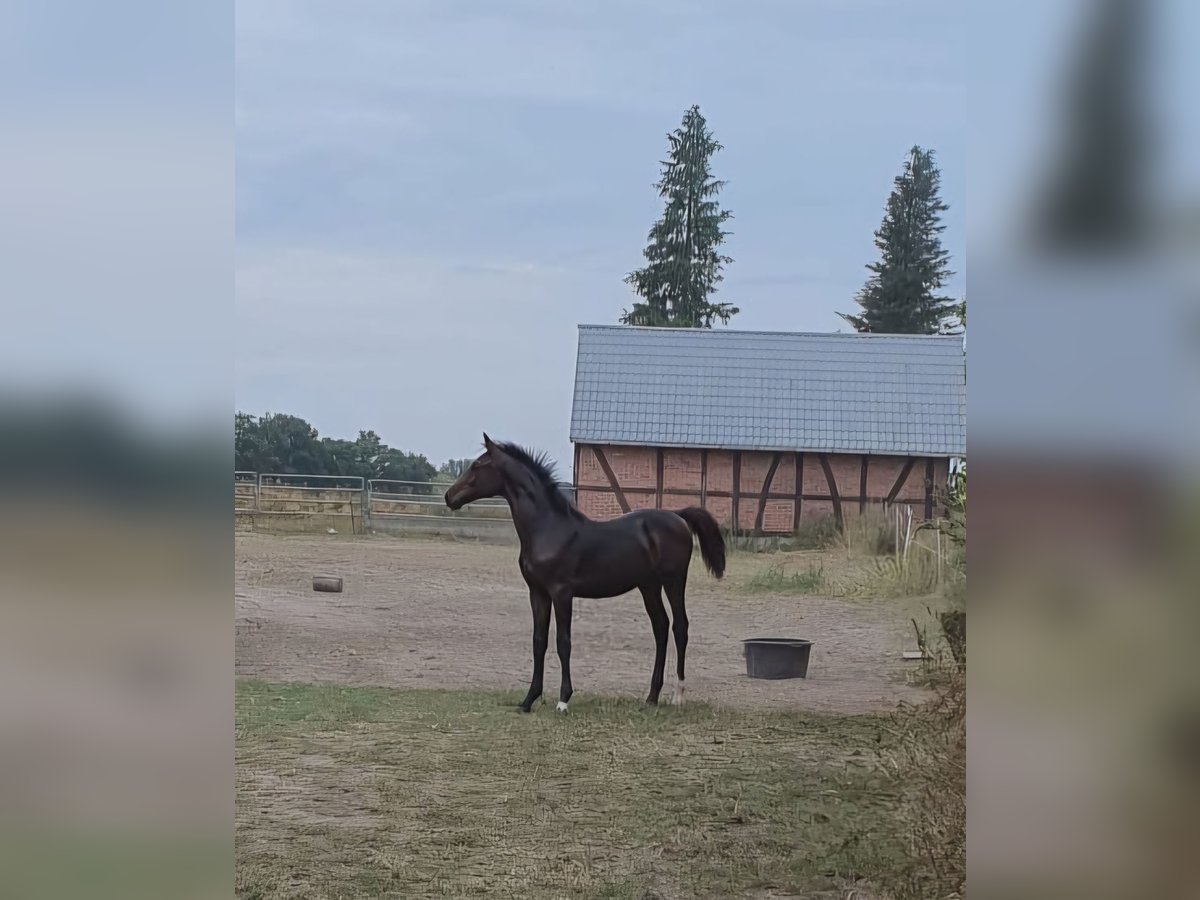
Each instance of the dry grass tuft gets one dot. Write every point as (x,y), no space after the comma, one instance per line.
(931,759)
(775,580)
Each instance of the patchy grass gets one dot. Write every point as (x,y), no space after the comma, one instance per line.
(813,534)
(912,577)
(862,561)
(776,580)
(816,534)
(872,533)
(365,792)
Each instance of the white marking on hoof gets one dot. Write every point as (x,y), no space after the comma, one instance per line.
(677,697)
(562,707)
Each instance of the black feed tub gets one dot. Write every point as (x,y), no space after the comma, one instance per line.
(776,657)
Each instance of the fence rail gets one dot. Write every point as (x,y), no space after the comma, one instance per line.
(266,496)
(325,482)
(279,497)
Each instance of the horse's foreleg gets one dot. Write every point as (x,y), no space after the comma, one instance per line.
(540,602)
(563,604)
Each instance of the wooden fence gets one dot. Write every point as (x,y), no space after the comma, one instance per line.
(350,504)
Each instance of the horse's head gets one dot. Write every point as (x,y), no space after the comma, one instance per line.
(482,479)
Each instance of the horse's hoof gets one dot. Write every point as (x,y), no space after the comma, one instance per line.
(652,701)
(677,697)
(562,707)
(521,707)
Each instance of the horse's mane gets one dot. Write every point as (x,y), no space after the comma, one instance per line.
(542,468)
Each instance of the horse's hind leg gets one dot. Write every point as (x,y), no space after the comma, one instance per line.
(652,595)
(562,626)
(675,589)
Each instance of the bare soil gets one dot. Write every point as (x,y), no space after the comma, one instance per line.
(419,613)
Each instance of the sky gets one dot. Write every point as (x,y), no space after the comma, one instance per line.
(431,197)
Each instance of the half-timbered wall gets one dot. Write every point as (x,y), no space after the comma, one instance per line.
(763,492)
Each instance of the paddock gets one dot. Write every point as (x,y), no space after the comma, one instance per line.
(379,753)
(430,613)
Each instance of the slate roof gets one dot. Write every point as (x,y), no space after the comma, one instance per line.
(754,390)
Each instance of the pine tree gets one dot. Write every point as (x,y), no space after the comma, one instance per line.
(900,296)
(1095,197)
(683,257)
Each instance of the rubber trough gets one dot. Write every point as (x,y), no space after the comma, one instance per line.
(776,657)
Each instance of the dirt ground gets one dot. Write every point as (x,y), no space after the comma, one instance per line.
(419,613)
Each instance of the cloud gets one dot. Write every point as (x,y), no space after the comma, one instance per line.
(424,351)
(436,194)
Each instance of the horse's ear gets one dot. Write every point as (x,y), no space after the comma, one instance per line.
(487,443)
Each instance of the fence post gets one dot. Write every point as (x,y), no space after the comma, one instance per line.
(938,531)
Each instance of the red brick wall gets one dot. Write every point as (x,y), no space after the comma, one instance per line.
(692,477)
(635,467)
(720,470)
(681,471)
(811,510)
(587,468)
(847,473)
(882,472)
(784,481)
(754,472)
(721,508)
(813,479)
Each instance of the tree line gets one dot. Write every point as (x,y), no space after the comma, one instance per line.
(288,445)
(685,260)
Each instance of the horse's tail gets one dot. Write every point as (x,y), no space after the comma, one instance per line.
(706,529)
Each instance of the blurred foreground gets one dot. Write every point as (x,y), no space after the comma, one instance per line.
(1084,712)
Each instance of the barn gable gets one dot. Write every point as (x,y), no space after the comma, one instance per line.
(741,390)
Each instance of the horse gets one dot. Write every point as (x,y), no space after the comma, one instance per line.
(565,555)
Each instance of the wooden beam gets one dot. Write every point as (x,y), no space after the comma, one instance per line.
(763,494)
(862,486)
(797,499)
(833,491)
(704,479)
(658,493)
(612,479)
(755,496)
(900,479)
(929,488)
(737,489)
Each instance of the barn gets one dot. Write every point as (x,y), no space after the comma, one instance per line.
(766,430)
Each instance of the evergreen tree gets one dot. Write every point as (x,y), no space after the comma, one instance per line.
(900,297)
(683,257)
(1095,197)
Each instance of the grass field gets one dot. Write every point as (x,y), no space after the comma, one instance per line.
(373,792)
